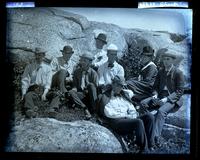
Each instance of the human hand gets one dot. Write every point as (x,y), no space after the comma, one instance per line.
(44,97)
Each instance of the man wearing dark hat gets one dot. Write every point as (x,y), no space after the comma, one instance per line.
(117,109)
(169,88)
(37,75)
(142,85)
(85,81)
(62,69)
(101,56)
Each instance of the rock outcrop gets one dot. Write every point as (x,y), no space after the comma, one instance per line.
(53,28)
(50,135)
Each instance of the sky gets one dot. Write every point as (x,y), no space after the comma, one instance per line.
(171,20)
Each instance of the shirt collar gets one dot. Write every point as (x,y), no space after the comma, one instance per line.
(150,63)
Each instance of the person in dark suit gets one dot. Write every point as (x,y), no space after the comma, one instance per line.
(116,108)
(169,88)
(85,81)
(142,86)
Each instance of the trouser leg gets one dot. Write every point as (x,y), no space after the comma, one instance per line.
(148,121)
(160,117)
(92,94)
(55,102)
(30,108)
(76,98)
(58,80)
(127,126)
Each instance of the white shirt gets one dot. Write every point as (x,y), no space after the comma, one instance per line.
(100,58)
(40,74)
(106,74)
(67,66)
(118,107)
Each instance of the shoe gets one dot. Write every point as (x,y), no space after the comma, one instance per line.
(157,141)
(52,113)
(144,151)
(87,114)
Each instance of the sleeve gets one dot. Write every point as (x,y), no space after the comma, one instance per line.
(132,113)
(95,78)
(75,79)
(54,64)
(100,75)
(49,75)
(179,82)
(157,83)
(25,81)
(100,58)
(151,74)
(120,71)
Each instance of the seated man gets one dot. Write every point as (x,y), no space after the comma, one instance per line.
(101,56)
(117,110)
(142,86)
(85,81)
(62,69)
(108,70)
(169,88)
(37,76)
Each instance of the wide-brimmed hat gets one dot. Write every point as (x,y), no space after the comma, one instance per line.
(39,50)
(88,56)
(112,47)
(119,80)
(102,37)
(67,49)
(148,51)
(169,53)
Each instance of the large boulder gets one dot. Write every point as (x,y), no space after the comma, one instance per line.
(182,117)
(50,135)
(52,28)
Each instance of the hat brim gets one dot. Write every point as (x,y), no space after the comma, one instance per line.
(101,40)
(40,52)
(67,52)
(91,59)
(147,54)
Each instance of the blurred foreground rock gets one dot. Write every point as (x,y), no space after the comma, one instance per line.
(50,135)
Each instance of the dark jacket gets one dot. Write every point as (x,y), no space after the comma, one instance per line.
(143,88)
(174,82)
(149,74)
(77,78)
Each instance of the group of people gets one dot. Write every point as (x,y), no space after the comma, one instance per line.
(97,85)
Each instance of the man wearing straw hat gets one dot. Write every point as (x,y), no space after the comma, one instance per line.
(85,81)
(36,78)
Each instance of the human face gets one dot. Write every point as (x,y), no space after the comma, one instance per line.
(85,63)
(117,88)
(66,56)
(39,57)
(112,56)
(99,44)
(167,61)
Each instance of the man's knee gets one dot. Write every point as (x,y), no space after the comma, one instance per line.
(149,117)
(139,125)
(29,95)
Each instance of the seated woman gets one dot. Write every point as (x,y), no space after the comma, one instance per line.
(117,110)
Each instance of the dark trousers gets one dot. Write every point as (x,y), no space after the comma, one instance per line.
(58,80)
(89,97)
(33,101)
(143,127)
